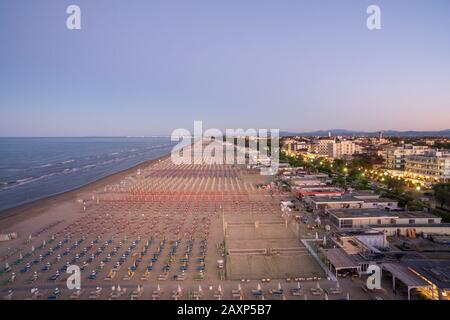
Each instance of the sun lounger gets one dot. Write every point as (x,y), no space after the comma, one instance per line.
(95,294)
(163,276)
(316,291)
(76,294)
(335,291)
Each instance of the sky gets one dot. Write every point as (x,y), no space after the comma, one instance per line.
(147,67)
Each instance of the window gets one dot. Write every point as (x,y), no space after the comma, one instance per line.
(430,220)
(347,223)
(412,221)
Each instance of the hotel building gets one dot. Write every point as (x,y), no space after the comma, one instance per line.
(432,165)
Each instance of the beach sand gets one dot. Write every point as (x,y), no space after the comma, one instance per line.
(168,226)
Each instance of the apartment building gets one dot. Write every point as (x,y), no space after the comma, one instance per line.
(395,157)
(339,149)
(432,165)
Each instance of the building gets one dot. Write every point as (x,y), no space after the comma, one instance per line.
(395,157)
(349,201)
(321,146)
(432,165)
(368,218)
(340,149)
(436,273)
(318,191)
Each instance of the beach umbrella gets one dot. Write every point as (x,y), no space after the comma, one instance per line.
(32,248)
(326,297)
(219,288)
(6,265)
(113,288)
(279,286)
(179,288)
(20,256)
(118,288)
(348,296)
(305,297)
(337,285)
(200,288)
(258,287)
(138,288)
(317,236)
(284,297)
(324,241)
(298,285)
(239,287)
(318,285)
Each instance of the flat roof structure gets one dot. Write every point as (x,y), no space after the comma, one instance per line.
(375,212)
(401,272)
(436,271)
(339,260)
(362,213)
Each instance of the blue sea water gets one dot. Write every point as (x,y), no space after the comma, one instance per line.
(35,168)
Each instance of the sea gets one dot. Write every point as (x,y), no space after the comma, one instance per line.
(36,168)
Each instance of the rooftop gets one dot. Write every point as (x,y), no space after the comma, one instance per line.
(436,271)
(378,213)
(347,198)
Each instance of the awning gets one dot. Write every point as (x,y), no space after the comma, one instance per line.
(405,275)
(339,259)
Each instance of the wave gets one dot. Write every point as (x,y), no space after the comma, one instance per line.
(44,165)
(68,161)
(88,166)
(15,170)
(24,180)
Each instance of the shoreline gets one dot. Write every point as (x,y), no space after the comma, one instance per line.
(22,212)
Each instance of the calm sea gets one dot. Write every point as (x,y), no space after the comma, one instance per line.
(35,168)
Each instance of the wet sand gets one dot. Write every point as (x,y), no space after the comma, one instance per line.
(10,217)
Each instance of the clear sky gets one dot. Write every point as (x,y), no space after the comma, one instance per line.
(145,67)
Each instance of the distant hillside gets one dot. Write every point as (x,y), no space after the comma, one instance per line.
(386,133)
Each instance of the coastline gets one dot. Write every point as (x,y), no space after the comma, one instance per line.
(22,212)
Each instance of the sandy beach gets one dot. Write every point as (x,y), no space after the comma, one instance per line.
(10,217)
(161,231)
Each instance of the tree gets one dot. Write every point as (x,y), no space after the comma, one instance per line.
(412,201)
(442,193)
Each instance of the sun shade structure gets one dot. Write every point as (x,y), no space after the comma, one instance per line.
(338,260)
(406,276)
